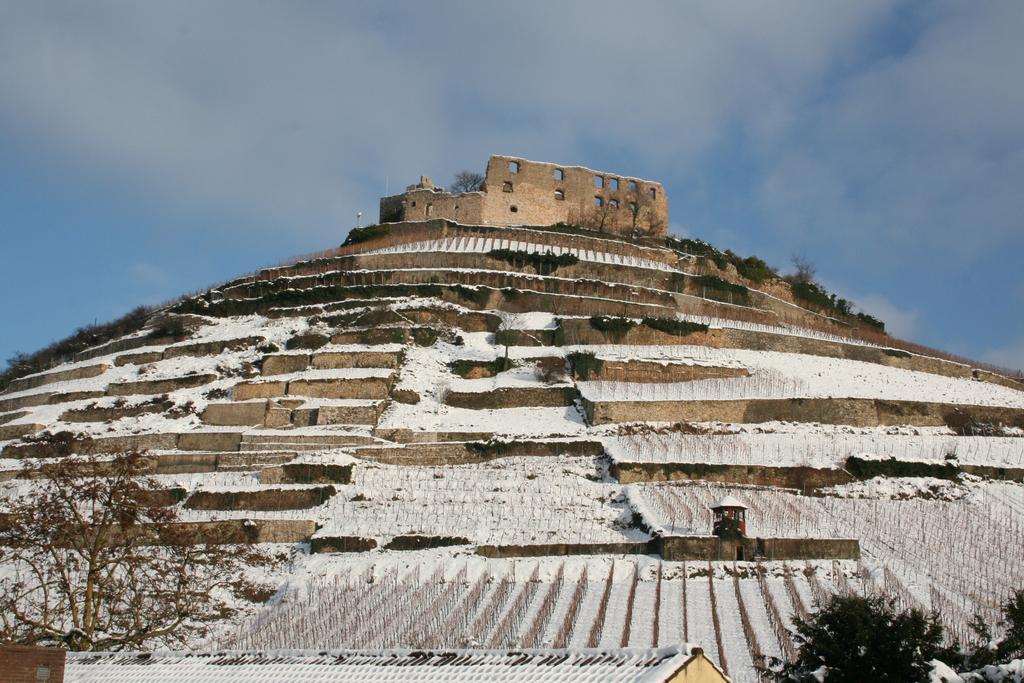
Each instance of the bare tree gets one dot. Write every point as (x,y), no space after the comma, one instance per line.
(467,181)
(644,215)
(804,271)
(99,562)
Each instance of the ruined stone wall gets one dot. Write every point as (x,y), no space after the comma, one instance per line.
(520,192)
(424,204)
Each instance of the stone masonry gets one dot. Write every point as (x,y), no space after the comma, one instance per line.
(520,192)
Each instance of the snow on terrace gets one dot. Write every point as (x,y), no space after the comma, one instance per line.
(453,601)
(914,540)
(426,372)
(509,501)
(825,450)
(777,375)
(483,245)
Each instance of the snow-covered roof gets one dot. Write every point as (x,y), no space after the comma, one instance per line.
(729,502)
(435,666)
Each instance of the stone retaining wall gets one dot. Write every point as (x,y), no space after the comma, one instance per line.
(261,499)
(159,386)
(857,412)
(564,549)
(653,372)
(34,381)
(807,479)
(237,413)
(713,548)
(512,397)
(250,530)
(577,331)
(18,430)
(30,401)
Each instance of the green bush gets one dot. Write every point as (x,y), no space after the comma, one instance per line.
(891,467)
(896,353)
(751,267)
(545,263)
(678,328)
(853,638)
(716,288)
(22,364)
(616,328)
(584,364)
(871,321)
(370,232)
(475,295)
(424,336)
(308,340)
(464,367)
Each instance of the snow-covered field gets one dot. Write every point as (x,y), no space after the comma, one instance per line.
(791,375)
(965,555)
(821,447)
(429,600)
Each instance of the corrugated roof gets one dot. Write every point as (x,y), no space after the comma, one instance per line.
(340,666)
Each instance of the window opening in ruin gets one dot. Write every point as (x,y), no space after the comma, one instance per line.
(598,181)
(558,174)
(633,206)
(514,208)
(598,201)
(513,167)
(614,203)
(615,184)
(632,186)
(430,209)
(654,193)
(560,195)
(506,187)
(414,203)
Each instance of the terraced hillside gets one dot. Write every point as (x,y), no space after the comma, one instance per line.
(513,436)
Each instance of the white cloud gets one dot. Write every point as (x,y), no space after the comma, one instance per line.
(1010,356)
(904,323)
(300,111)
(915,153)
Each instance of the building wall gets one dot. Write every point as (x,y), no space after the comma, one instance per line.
(31,664)
(698,669)
(520,192)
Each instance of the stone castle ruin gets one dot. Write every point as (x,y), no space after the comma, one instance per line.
(520,192)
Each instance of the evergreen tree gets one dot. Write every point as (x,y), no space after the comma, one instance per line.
(855,639)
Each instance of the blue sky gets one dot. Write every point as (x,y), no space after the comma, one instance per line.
(150,149)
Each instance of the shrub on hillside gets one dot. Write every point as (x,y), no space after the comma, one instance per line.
(168,327)
(308,340)
(584,364)
(616,328)
(713,287)
(678,328)
(370,232)
(543,264)
(550,369)
(854,639)
(22,364)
